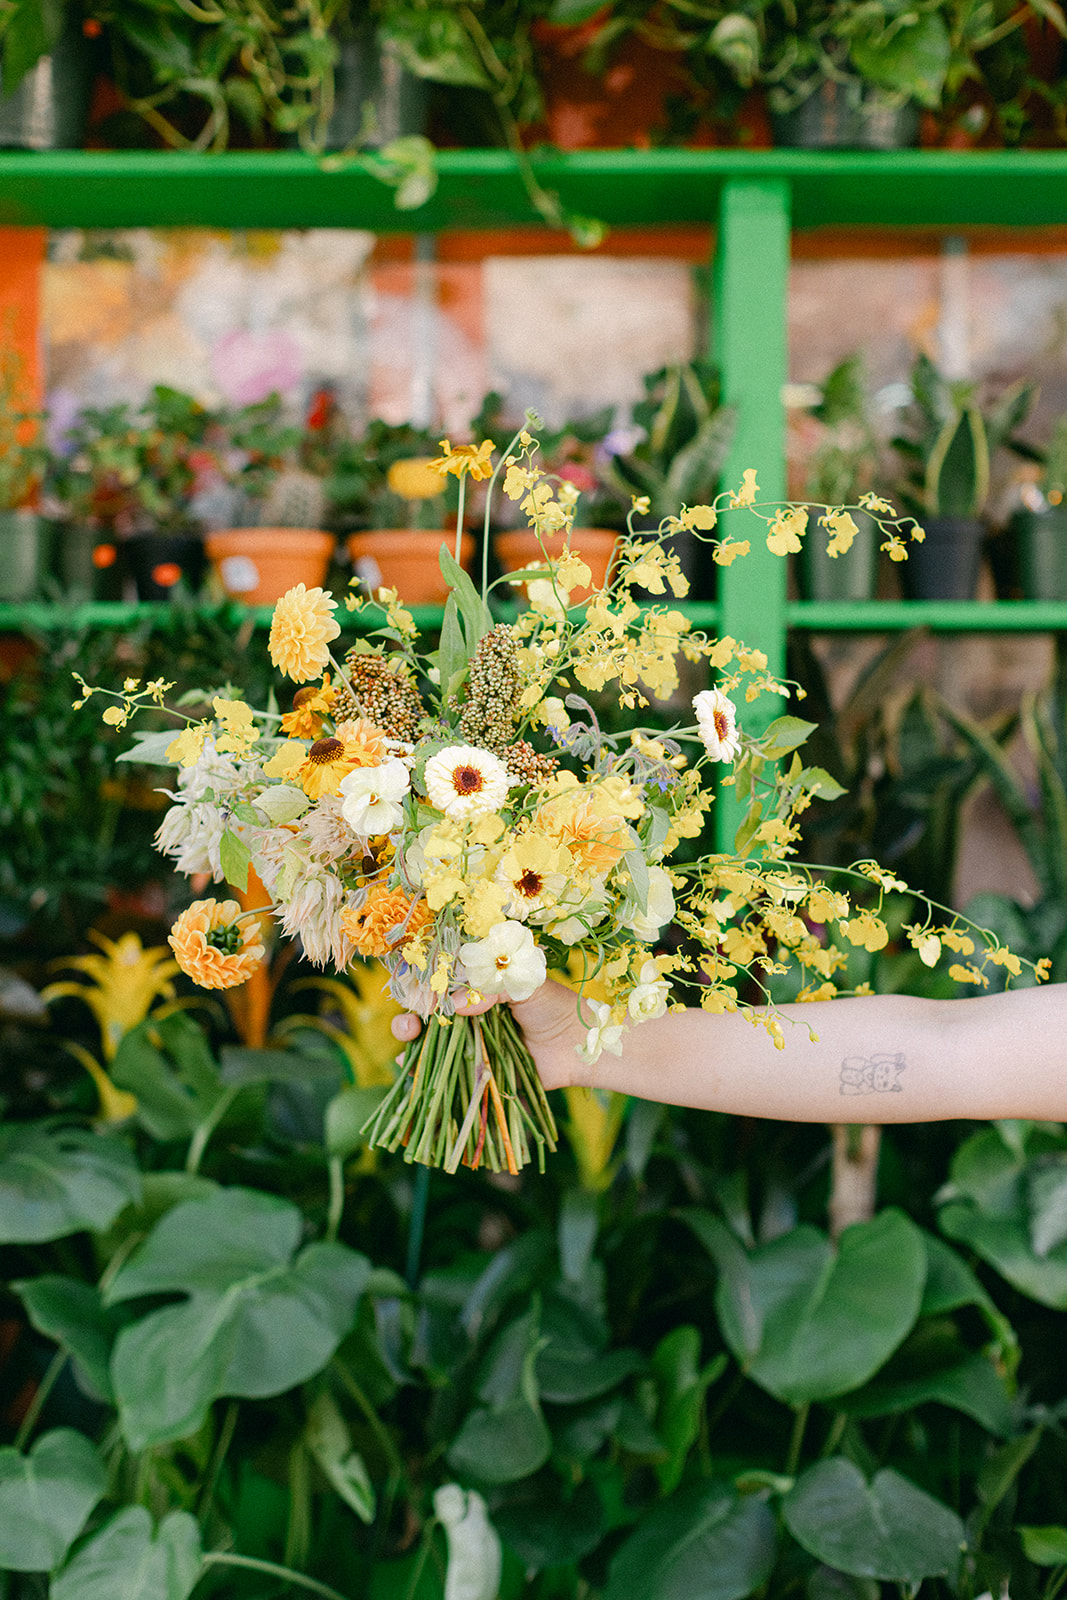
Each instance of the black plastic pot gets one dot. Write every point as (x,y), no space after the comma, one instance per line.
(375,100)
(853,115)
(849,577)
(24,550)
(163,564)
(50,107)
(88,564)
(1041,547)
(946,565)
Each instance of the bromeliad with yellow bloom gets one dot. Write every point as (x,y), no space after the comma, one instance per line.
(454,810)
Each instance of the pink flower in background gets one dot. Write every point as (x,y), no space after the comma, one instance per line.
(250,366)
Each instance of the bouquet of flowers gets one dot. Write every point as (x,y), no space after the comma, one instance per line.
(454,809)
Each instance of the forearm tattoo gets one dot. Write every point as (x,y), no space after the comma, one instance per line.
(872,1074)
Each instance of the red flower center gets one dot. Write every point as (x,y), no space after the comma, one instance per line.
(530,884)
(467,780)
(722,724)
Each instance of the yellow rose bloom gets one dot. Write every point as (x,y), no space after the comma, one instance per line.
(300,633)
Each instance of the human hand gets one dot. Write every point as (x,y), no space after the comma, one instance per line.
(550,1026)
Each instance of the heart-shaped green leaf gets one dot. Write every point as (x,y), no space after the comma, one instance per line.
(56,1180)
(706,1543)
(45,1499)
(885,1529)
(127,1560)
(257,1318)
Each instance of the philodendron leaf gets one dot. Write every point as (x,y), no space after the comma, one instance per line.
(706,1543)
(257,1318)
(128,1560)
(56,1180)
(1045,1547)
(46,1498)
(806,1321)
(886,1529)
(69,1311)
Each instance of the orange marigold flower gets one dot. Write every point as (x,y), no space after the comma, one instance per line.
(216,944)
(385,919)
(310,706)
(300,632)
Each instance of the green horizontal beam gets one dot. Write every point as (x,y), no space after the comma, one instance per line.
(942,616)
(39,616)
(483,188)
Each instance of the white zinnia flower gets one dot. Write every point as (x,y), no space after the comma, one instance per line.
(372,797)
(659,907)
(602,1035)
(505,962)
(717,720)
(463,781)
(649,998)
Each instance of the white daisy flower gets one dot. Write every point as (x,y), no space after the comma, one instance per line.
(505,962)
(372,797)
(462,781)
(717,720)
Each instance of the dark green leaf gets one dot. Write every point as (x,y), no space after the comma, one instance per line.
(705,1543)
(126,1560)
(46,1498)
(682,1385)
(544,1529)
(57,1180)
(255,1322)
(886,1529)
(501,1444)
(1005,1243)
(69,1311)
(972,1386)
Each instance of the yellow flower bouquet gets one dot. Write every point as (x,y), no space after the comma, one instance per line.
(453,809)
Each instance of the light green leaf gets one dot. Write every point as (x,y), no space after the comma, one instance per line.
(785,734)
(126,1560)
(682,1385)
(257,1320)
(46,1498)
(1046,1547)
(235,858)
(150,749)
(330,1443)
(886,1529)
(56,1180)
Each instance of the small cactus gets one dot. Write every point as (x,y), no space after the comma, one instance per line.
(296,499)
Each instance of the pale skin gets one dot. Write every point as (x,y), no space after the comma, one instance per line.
(878,1059)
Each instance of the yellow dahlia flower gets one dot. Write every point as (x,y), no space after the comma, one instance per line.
(215,944)
(300,632)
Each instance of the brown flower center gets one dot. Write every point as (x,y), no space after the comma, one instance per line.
(722,724)
(530,884)
(302,696)
(467,780)
(501,962)
(323,751)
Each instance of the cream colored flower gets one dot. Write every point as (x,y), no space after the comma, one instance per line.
(505,962)
(372,797)
(603,1034)
(717,720)
(300,632)
(649,998)
(659,906)
(216,944)
(463,781)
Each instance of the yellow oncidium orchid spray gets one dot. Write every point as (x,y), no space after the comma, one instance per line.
(120,987)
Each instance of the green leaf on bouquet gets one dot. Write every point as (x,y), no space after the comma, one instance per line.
(235,858)
(129,1560)
(452,657)
(704,1543)
(473,611)
(46,1498)
(56,1180)
(258,1318)
(150,749)
(885,1529)
(785,734)
(806,1321)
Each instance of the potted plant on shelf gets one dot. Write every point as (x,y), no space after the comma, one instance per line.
(842,465)
(1039,524)
(124,482)
(949,451)
(47,74)
(405,506)
(278,536)
(686,434)
(22,463)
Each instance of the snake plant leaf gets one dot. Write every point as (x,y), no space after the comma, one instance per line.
(46,1498)
(129,1560)
(886,1529)
(55,1180)
(257,1317)
(705,1543)
(806,1321)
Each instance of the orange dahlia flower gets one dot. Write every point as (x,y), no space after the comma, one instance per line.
(385,919)
(216,944)
(300,632)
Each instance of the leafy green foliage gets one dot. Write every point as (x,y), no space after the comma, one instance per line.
(883,1529)
(57,1179)
(46,1498)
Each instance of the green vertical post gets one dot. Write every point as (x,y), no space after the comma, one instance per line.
(749,321)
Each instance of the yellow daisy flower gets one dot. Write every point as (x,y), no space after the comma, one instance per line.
(475,460)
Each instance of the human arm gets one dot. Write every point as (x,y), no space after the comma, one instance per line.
(880,1058)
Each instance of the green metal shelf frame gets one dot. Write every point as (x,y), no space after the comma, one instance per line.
(752,199)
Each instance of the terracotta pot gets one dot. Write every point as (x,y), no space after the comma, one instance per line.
(519,547)
(406,559)
(258,565)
